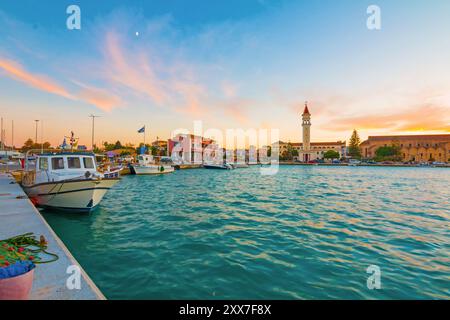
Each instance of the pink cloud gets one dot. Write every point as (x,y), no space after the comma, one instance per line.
(132,70)
(100,98)
(97,97)
(17,72)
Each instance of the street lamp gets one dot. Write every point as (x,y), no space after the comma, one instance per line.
(35,138)
(93,124)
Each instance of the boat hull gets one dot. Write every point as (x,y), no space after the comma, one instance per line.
(72,195)
(217,167)
(149,170)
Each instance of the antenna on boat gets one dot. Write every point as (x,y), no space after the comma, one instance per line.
(93,124)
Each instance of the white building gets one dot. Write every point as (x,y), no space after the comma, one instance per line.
(189,148)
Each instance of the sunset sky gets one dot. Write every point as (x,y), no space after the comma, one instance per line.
(232,64)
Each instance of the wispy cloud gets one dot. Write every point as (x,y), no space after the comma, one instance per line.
(41,82)
(132,70)
(171,81)
(99,98)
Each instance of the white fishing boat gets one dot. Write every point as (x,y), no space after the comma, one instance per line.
(66,181)
(147,165)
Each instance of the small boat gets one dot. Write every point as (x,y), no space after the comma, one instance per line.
(354,162)
(112,172)
(224,166)
(147,165)
(68,181)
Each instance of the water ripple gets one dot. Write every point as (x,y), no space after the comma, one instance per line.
(305,233)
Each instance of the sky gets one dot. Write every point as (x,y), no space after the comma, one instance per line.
(230,64)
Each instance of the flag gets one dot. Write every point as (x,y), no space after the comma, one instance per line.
(141,130)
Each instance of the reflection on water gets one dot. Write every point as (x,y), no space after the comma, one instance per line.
(305,233)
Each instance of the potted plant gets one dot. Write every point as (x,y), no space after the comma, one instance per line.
(18,258)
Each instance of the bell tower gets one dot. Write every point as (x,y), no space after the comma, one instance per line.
(306,124)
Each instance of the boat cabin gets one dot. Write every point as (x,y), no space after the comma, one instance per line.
(145,159)
(51,167)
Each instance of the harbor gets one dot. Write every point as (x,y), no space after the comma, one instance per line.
(250,152)
(321,210)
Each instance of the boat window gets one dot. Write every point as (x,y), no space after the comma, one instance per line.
(88,163)
(57,163)
(74,163)
(43,163)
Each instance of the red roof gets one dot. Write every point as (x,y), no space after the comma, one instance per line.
(306,111)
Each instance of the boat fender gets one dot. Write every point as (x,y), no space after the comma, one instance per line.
(87,174)
(161,169)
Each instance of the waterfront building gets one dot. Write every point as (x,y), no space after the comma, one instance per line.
(189,148)
(307,150)
(415,148)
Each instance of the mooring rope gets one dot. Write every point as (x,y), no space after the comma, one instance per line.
(28,240)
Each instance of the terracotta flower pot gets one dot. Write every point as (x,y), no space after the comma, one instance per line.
(16,288)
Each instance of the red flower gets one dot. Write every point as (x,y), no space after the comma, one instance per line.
(10,249)
(21,250)
(6,263)
(31,257)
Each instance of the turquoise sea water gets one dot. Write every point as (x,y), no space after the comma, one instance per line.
(305,233)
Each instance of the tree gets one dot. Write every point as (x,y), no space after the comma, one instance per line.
(289,153)
(388,153)
(354,149)
(331,154)
(154,151)
(30,144)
